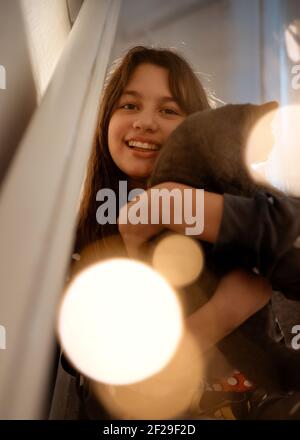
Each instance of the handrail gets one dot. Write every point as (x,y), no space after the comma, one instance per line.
(38,205)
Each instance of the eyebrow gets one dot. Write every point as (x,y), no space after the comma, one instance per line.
(139,95)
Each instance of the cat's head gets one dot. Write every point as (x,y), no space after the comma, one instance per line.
(250,125)
(246,116)
(236,120)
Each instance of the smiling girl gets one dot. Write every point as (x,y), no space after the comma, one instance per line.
(146,97)
(148,94)
(145,115)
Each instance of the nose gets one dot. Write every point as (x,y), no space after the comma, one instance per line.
(145,121)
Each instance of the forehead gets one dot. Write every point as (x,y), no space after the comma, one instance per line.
(149,78)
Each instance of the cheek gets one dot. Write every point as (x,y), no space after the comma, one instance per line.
(117,130)
(114,133)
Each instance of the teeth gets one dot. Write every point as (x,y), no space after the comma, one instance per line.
(143,145)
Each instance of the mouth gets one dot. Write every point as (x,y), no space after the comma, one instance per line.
(143,146)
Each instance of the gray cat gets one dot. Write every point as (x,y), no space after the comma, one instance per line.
(208,151)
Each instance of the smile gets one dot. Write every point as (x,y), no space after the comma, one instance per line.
(142,146)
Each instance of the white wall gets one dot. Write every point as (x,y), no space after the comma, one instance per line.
(18,100)
(32,37)
(221,38)
(239,45)
(47,27)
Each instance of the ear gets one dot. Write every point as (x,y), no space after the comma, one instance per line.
(269,106)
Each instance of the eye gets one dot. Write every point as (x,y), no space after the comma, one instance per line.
(170,111)
(129,106)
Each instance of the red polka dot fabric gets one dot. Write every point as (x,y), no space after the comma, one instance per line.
(235,382)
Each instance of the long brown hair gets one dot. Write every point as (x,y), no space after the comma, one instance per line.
(102,172)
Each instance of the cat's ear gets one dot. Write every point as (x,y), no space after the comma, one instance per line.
(269,106)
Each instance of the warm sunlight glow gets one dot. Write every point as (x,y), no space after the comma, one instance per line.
(261,140)
(119,322)
(277,161)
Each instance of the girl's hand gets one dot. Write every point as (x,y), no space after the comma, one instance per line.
(135,235)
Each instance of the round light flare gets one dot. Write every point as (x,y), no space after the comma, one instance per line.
(119,322)
(273,152)
(179,259)
(260,144)
(173,392)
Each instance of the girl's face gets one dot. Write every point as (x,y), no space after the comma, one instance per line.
(145,116)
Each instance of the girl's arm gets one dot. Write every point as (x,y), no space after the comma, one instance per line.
(238,296)
(262,232)
(135,235)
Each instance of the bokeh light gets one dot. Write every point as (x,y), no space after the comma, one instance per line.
(119,322)
(173,392)
(178,258)
(276,162)
(260,144)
